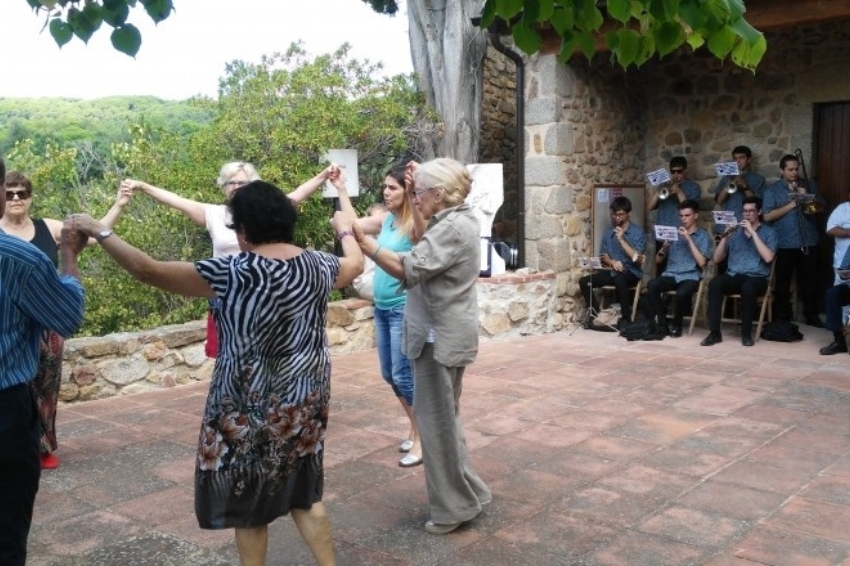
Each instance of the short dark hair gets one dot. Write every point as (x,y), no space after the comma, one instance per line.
(742,149)
(679,161)
(263,213)
(690,203)
(786,158)
(396,171)
(752,200)
(18,179)
(621,204)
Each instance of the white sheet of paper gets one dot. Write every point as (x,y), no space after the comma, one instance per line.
(658,177)
(669,233)
(347,161)
(727,169)
(726,217)
(589,262)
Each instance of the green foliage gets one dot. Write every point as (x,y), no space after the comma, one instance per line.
(282,114)
(645,27)
(82,18)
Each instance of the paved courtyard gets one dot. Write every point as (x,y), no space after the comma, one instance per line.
(597,450)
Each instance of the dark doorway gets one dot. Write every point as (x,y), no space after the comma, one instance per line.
(832,168)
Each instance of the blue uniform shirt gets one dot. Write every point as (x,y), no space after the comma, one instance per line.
(611,246)
(744,258)
(788,227)
(681,264)
(735,201)
(667,213)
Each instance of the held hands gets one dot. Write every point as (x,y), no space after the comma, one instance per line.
(133,185)
(84,224)
(72,239)
(125,193)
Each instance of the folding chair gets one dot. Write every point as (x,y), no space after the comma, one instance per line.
(698,304)
(766,302)
(637,289)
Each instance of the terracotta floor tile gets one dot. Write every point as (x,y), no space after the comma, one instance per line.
(830,489)
(689,462)
(700,529)
(815,518)
(766,545)
(732,500)
(665,426)
(639,549)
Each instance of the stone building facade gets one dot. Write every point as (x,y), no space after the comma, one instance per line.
(589,123)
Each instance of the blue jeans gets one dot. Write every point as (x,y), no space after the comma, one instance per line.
(395,367)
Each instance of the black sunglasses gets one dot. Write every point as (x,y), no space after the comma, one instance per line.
(22,195)
(677,170)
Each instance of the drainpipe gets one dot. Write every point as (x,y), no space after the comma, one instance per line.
(496,41)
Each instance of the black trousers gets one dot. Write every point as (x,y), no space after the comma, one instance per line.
(655,290)
(837,297)
(622,281)
(805,264)
(749,287)
(20,471)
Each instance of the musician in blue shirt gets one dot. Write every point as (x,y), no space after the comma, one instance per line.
(687,256)
(622,253)
(751,248)
(747,183)
(32,297)
(838,297)
(798,239)
(679,190)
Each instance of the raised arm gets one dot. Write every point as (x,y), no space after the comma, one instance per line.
(420,223)
(351,265)
(309,187)
(191,208)
(172,276)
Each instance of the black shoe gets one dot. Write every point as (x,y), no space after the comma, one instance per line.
(834,348)
(712,339)
(747,340)
(814,322)
(676,331)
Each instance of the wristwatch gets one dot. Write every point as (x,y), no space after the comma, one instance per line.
(102,235)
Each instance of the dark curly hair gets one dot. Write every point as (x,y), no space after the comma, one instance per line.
(263,213)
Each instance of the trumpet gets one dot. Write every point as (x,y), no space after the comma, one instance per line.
(732,188)
(664,191)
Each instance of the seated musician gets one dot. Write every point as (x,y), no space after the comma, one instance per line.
(686,258)
(622,254)
(838,296)
(751,247)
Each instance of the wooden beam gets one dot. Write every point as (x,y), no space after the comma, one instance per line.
(774,14)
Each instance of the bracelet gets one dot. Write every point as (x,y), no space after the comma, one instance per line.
(343,234)
(375,255)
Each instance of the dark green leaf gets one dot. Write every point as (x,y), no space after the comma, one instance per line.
(61,32)
(127,39)
(34,4)
(488,14)
(547,8)
(750,34)
(526,37)
(627,46)
(692,13)
(569,44)
(507,9)
(667,36)
(587,43)
(620,10)
(81,25)
(588,16)
(530,11)
(158,10)
(736,9)
(748,56)
(645,50)
(115,12)
(721,42)
(563,19)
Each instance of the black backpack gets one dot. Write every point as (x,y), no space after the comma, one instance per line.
(637,330)
(781,332)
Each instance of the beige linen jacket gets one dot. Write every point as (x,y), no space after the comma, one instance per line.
(440,273)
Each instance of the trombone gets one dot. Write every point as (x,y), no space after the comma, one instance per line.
(816,205)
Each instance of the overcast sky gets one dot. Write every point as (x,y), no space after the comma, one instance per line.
(185,55)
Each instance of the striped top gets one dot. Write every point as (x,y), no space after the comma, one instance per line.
(32,297)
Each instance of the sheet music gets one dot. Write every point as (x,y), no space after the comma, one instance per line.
(589,262)
(669,233)
(658,177)
(727,169)
(726,217)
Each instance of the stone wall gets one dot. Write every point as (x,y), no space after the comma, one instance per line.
(118,364)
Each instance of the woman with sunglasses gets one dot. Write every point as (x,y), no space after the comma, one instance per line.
(44,233)
(215,218)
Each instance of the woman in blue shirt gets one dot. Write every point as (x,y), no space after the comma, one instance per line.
(398,229)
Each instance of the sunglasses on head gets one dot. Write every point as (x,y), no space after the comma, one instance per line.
(22,195)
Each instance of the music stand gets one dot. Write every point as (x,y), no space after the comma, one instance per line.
(589,264)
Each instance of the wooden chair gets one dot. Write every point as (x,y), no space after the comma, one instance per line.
(637,289)
(766,303)
(698,304)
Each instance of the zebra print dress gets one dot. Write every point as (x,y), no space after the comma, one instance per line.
(262,435)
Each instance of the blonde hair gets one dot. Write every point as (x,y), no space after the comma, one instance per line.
(228,170)
(447,174)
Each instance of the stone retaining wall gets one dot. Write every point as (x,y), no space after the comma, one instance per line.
(124,363)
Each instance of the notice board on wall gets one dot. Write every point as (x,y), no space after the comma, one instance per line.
(600,217)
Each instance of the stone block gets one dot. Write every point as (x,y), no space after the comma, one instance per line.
(583,202)
(194,355)
(136,388)
(154,350)
(168,361)
(184,334)
(204,372)
(559,139)
(544,227)
(542,111)
(496,323)
(339,315)
(337,336)
(364,313)
(96,347)
(124,371)
(553,254)
(84,374)
(544,171)
(90,392)
(559,201)
(574,225)
(68,392)
(518,311)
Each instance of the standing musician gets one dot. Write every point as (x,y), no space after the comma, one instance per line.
(730,192)
(751,248)
(666,199)
(621,252)
(687,257)
(798,238)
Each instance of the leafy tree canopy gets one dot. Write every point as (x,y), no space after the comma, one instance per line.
(635,31)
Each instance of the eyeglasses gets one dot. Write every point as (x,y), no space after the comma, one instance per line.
(417,194)
(677,171)
(750,211)
(236,183)
(22,195)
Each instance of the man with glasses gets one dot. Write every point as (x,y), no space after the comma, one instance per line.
(750,247)
(32,297)
(622,253)
(667,207)
(798,240)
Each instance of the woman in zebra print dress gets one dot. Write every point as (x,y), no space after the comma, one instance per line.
(262,436)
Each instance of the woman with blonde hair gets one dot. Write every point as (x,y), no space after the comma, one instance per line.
(440,333)
(397,230)
(215,217)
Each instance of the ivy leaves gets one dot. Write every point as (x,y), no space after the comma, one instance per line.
(82,18)
(640,29)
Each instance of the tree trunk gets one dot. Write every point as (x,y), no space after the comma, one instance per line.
(448,55)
